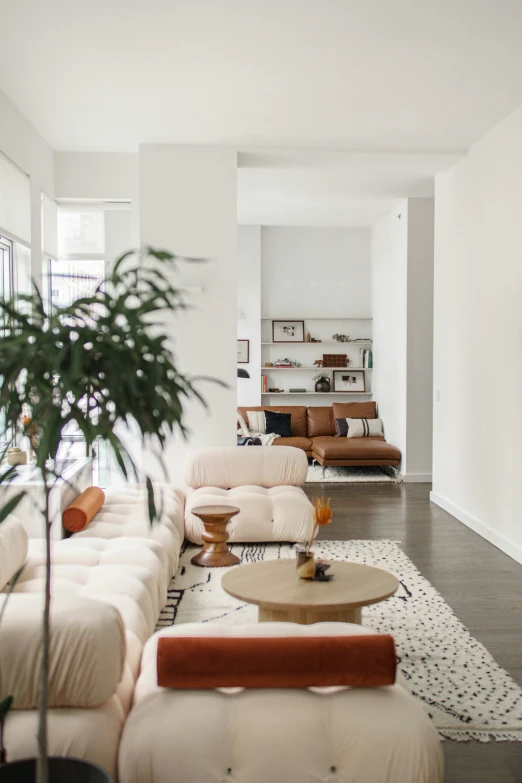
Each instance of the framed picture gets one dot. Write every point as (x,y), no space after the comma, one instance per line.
(348,381)
(243,351)
(288,331)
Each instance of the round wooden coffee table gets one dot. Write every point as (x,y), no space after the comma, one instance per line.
(215,552)
(283,597)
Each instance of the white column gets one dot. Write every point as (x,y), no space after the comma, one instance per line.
(187,204)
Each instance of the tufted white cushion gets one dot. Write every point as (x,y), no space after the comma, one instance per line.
(130,589)
(275,514)
(125,514)
(101,551)
(339,735)
(13,548)
(264,466)
(87,651)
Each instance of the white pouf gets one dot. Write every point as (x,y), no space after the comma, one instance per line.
(339,735)
(262,481)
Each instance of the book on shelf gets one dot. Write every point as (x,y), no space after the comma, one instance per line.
(264,383)
(366,358)
(297,391)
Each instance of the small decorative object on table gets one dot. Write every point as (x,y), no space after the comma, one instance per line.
(341,338)
(322,382)
(16,456)
(307,567)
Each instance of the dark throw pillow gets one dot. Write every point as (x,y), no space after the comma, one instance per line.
(279,423)
(341,428)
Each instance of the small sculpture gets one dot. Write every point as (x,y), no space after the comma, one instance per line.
(308,337)
(341,338)
(319,363)
(285,362)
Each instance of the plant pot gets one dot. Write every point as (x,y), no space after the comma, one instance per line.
(61,770)
(322,385)
(305,564)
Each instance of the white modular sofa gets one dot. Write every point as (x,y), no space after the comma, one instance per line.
(339,735)
(263,482)
(125,564)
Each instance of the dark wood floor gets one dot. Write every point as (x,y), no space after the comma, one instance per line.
(481,584)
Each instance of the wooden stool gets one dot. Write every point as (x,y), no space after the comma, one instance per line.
(215,552)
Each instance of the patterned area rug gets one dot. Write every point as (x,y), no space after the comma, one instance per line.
(466,693)
(356,475)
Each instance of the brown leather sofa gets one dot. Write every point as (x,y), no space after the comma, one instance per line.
(313,430)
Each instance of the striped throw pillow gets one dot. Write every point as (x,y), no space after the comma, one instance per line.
(364,428)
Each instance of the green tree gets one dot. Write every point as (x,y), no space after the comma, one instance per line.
(101,362)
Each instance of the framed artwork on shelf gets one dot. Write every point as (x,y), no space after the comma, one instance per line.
(348,381)
(243,351)
(288,332)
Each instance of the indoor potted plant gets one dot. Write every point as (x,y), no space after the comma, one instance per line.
(103,361)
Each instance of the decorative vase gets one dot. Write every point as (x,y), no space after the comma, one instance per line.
(322,385)
(305,564)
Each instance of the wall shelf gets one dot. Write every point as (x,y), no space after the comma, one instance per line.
(320,394)
(324,342)
(356,348)
(318,369)
(320,318)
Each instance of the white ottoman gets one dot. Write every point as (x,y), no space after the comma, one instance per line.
(339,735)
(263,482)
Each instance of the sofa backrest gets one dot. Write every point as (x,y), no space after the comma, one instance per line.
(320,421)
(355,410)
(262,466)
(13,548)
(298,413)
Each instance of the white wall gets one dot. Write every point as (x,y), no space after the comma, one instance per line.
(20,141)
(478,338)
(249,310)
(188,205)
(419,391)
(389,306)
(99,176)
(315,272)
(402,294)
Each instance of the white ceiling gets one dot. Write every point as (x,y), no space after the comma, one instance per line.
(398,75)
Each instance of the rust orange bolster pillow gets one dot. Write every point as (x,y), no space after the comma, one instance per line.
(78,515)
(205,662)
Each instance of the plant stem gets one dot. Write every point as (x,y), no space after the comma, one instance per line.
(316,525)
(42,766)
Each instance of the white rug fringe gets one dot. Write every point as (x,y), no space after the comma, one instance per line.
(458,735)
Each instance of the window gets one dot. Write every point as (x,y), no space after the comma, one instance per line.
(90,236)
(6,268)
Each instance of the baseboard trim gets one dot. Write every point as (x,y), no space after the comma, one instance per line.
(501,542)
(418,478)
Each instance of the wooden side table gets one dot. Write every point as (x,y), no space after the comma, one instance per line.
(215,552)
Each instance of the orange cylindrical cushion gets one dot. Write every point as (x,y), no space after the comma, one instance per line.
(83,509)
(204,662)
